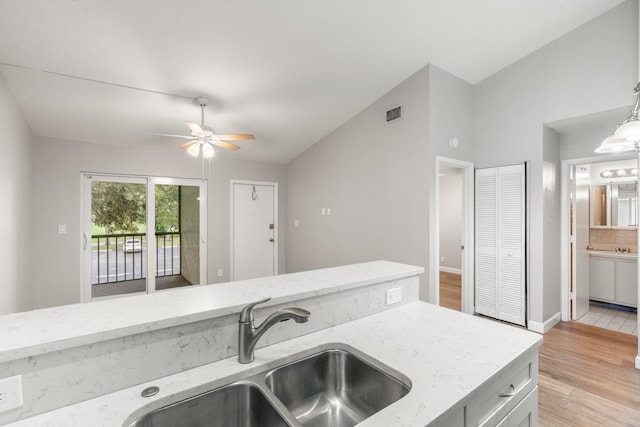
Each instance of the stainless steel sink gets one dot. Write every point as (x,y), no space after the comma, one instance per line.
(239,404)
(334,388)
(332,385)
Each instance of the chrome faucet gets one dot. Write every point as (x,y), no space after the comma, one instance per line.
(248,334)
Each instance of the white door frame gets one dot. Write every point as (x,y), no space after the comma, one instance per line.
(189,182)
(276,235)
(565,200)
(149,182)
(467,233)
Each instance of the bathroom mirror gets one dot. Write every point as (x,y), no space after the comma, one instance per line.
(614,205)
(600,203)
(623,205)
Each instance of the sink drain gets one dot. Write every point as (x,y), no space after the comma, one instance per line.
(150,391)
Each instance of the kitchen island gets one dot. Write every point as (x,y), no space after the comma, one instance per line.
(464,370)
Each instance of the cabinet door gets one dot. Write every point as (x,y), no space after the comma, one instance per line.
(601,279)
(626,282)
(525,414)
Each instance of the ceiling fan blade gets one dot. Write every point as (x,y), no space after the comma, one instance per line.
(236,137)
(189,144)
(174,136)
(195,129)
(227,145)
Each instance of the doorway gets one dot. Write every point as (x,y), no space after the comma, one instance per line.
(452,252)
(136,225)
(254,237)
(450,244)
(599,272)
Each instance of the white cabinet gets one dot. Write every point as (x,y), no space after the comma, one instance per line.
(508,399)
(613,279)
(626,282)
(525,414)
(601,276)
(498,400)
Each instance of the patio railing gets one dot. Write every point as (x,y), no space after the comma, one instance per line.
(123,257)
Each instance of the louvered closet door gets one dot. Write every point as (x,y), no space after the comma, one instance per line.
(486,242)
(500,238)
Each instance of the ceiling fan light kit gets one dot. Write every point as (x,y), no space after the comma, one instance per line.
(203,140)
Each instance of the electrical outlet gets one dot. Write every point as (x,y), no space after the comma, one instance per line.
(394,296)
(10,393)
(220,272)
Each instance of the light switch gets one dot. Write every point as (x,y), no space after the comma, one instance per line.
(296,223)
(328,211)
(324,211)
(62,228)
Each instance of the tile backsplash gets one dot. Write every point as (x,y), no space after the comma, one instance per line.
(610,239)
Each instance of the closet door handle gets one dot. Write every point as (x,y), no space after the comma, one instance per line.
(84,238)
(510,394)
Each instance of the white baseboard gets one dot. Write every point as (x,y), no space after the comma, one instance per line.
(450,270)
(543,328)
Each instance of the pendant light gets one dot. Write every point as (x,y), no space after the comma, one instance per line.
(626,137)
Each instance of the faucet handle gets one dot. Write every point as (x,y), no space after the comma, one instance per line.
(246,315)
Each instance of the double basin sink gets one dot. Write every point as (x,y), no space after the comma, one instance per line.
(336,385)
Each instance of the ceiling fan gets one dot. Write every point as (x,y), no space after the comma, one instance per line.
(203,139)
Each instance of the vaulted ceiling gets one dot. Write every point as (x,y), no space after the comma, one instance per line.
(288,71)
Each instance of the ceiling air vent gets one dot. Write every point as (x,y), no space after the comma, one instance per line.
(394,114)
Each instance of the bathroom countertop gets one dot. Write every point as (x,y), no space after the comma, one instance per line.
(58,328)
(613,254)
(445,354)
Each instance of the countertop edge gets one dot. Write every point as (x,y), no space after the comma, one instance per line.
(247,293)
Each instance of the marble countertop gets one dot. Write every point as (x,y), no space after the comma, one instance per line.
(53,329)
(613,254)
(445,354)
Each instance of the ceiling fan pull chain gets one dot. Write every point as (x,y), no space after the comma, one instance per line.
(254,194)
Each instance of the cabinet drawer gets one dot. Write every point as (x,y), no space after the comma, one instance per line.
(502,394)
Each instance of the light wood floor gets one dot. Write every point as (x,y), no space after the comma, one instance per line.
(587,375)
(450,291)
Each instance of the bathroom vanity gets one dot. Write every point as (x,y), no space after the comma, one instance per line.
(457,369)
(613,277)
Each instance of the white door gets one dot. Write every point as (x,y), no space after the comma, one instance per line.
(500,243)
(580,226)
(253,229)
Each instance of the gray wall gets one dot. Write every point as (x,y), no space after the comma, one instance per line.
(378,179)
(374,178)
(451,112)
(57,200)
(589,70)
(16,146)
(579,143)
(451,219)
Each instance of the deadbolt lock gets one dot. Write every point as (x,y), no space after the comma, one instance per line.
(271,227)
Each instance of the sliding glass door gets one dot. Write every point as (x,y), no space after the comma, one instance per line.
(133,225)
